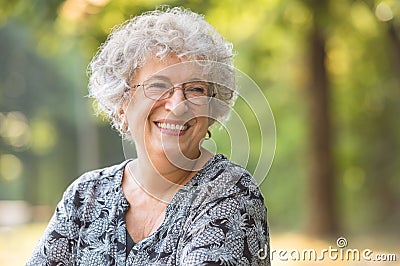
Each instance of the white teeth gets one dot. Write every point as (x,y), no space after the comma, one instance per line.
(171,126)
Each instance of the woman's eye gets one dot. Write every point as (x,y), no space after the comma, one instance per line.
(196,89)
(158,86)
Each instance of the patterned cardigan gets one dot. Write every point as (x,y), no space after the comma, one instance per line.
(217,218)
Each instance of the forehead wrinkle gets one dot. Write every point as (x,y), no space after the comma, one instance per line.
(160,77)
(168,79)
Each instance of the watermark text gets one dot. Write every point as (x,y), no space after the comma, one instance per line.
(340,252)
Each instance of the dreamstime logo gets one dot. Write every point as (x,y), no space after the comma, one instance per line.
(331,253)
(341,242)
(256,119)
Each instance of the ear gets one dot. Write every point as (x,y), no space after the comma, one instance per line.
(121,114)
(123,108)
(121,111)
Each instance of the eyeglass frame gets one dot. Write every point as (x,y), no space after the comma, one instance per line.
(170,91)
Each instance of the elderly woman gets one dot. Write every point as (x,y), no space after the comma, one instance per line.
(163,78)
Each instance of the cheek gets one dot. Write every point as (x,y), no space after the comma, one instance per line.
(201,113)
(137,114)
(139,109)
(204,111)
(205,117)
(203,125)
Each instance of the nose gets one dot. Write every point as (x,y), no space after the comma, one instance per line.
(176,103)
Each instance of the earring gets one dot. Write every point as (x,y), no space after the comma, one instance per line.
(124,129)
(208,135)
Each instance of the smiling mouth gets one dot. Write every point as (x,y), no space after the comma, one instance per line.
(171,128)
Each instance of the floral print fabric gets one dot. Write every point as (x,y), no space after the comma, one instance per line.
(217,218)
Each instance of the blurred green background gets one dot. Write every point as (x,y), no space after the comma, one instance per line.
(329,69)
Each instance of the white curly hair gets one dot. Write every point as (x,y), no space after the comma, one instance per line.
(159,33)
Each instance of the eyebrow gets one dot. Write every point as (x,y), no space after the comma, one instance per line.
(166,78)
(159,77)
(197,79)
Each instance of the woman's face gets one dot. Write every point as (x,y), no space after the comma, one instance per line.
(171,127)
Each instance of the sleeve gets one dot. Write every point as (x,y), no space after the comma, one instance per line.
(56,245)
(233,230)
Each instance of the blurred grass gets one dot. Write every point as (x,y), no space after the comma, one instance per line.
(17,243)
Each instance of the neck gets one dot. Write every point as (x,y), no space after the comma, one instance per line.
(161,178)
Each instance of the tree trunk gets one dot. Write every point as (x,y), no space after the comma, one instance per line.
(323,218)
(394,40)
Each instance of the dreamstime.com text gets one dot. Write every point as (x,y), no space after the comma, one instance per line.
(331,253)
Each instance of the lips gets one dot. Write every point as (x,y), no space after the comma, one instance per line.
(172,127)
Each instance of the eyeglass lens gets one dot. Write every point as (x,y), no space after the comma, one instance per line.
(195,91)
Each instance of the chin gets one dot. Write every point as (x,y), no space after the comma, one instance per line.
(178,155)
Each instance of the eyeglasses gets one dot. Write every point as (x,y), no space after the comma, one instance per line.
(196,92)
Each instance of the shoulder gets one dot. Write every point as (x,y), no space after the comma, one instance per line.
(227,223)
(222,183)
(95,182)
(225,178)
(98,175)
(101,173)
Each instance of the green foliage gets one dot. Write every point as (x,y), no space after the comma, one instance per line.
(46,45)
